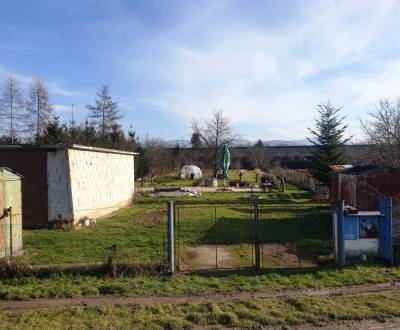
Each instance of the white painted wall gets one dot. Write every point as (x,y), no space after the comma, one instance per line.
(59,186)
(87,183)
(101,182)
(358,247)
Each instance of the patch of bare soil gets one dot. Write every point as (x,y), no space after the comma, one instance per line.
(119,301)
(283,255)
(153,218)
(205,257)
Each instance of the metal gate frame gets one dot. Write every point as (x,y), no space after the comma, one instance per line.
(174,225)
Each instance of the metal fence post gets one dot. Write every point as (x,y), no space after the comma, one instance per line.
(171,245)
(340,233)
(386,208)
(257,237)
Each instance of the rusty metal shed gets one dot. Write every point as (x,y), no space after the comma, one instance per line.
(10,212)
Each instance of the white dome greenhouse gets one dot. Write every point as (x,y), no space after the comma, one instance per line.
(191,172)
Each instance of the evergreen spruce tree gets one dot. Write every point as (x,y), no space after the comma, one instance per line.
(328,139)
(195,141)
(141,160)
(54,132)
(104,113)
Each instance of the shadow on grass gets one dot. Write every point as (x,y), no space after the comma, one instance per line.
(251,271)
(232,230)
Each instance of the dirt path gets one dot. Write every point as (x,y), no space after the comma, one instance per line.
(393,323)
(113,300)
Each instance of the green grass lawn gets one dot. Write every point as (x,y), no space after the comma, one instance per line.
(171,180)
(139,232)
(247,314)
(195,283)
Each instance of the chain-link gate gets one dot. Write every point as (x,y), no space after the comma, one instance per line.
(211,236)
(295,236)
(245,234)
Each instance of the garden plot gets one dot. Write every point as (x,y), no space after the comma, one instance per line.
(206,257)
(277,255)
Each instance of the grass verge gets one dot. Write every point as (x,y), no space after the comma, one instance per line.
(75,285)
(254,314)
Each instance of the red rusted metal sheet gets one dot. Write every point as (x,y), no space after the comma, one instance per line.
(340,168)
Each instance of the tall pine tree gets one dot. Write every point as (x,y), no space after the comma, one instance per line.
(104,112)
(328,139)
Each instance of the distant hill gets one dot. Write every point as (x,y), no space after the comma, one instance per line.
(272,143)
(275,143)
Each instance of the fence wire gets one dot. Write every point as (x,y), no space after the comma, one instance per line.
(223,236)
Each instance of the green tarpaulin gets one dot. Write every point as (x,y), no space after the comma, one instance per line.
(226,161)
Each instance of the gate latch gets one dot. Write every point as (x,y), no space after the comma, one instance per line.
(6,212)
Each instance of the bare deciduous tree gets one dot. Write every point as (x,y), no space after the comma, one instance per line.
(383,132)
(157,158)
(215,132)
(39,106)
(13,115)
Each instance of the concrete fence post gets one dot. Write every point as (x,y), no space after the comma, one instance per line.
(171,237)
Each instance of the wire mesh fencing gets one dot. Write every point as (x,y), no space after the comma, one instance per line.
(214,236)
(251,234)
(295,236)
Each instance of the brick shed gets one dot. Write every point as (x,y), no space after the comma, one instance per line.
(68,183)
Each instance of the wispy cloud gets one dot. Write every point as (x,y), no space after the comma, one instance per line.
(275,77)
(268,64)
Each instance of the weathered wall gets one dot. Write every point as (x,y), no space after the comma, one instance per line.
(2,220)
(363,191)
(32,165)
(101,182)
(13,199)
(59,186)
(10,225)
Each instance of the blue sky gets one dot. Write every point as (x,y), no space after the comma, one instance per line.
(267,63)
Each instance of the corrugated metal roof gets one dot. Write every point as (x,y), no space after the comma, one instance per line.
(340,168)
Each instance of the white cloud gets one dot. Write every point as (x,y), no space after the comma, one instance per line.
(275,77)
(61,108)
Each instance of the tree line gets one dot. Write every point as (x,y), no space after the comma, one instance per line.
(27,116)
(23,114)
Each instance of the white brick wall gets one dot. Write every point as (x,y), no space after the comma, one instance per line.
(59,186)
(89,183)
